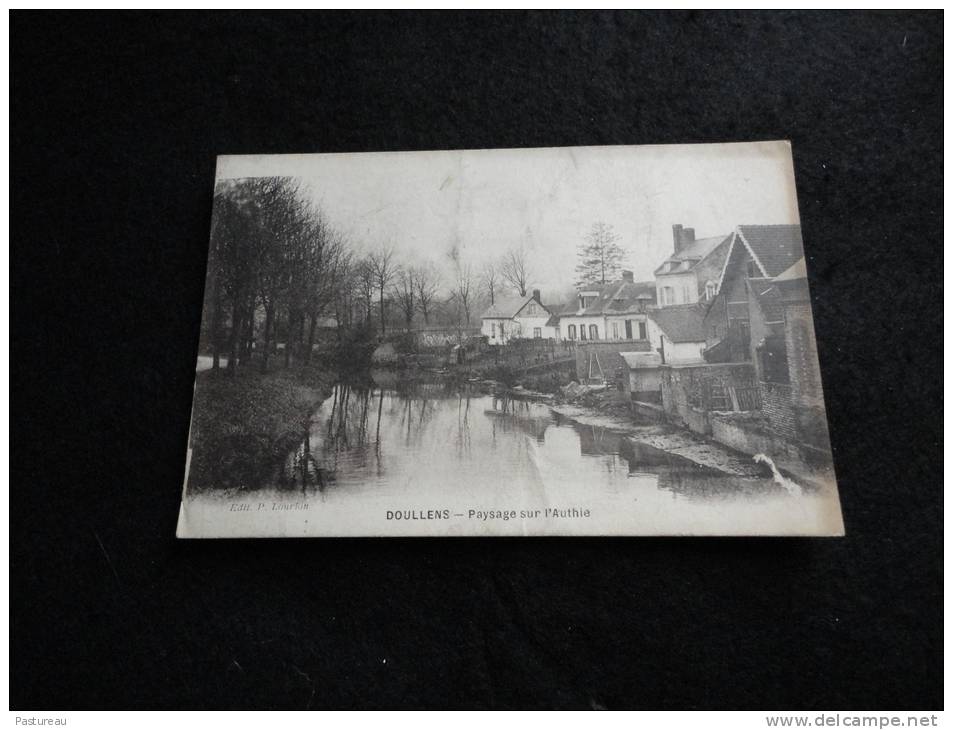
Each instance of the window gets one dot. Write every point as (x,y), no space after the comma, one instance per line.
(686,295)
(668,295)
(582,332)
(593,332)
(493,330)
(753,271)
(572,332)
(642,330)
(615,330)
(537,333)
(710,290)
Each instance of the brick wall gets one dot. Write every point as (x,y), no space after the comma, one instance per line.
(804,369)
(778,408)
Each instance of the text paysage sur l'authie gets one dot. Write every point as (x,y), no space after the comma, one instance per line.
(490,515)
(410,515)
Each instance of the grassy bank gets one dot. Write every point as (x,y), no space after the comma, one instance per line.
(243,426)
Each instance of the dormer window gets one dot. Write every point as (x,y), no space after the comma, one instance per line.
(753,271)
(710,290)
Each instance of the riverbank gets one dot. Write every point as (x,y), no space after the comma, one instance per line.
(243,426)
(667,438)
(608,409)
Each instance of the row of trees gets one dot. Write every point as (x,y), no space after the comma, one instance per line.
(279,270)
(274,261)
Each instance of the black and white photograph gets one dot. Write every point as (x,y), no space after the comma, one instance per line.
(578,341)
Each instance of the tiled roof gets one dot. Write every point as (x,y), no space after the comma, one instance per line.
(618,297)
(681,323)
(777,248)
(768,297)
(691,255)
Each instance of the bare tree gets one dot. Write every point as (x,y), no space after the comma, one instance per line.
(514,269)
(405,293)
(427,282)
(462,291)
(490,278)
(383,267)
(364,284)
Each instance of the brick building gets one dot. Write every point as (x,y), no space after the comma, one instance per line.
(755,253)
(807,416)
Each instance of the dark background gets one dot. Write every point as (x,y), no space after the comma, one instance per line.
(115,124)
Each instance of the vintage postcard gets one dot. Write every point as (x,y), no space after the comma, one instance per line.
(564,341)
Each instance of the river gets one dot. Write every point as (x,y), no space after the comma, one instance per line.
(384,460)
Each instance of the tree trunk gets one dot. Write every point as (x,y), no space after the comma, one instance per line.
(249,331)
(216,323)
(288,338)
(233,340)
(383,327)
(312,327)
(269,321)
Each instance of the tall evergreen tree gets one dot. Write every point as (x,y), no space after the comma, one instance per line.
(600,256)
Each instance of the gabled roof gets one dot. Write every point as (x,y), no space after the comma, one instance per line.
(766,294)
(617,297)
(509,307)
(556,310)
(691,255)
(775,248)
(681,322)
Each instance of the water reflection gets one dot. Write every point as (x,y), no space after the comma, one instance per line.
(433,441)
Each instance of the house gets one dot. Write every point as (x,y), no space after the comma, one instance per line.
(677,333)
(644,381)
(512,317)
(755,254)
(690,274)
(613,311)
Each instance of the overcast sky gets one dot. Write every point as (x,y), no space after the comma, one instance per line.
(487,201)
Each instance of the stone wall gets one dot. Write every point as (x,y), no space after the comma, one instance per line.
(605,358)
(748,437)
(691,393)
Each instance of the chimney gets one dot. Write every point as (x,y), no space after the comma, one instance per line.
(536,296)
(627,276)
(682,236)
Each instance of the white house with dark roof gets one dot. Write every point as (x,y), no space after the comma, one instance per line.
(613,311)
(511,317)
(677,333)
(690,274)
